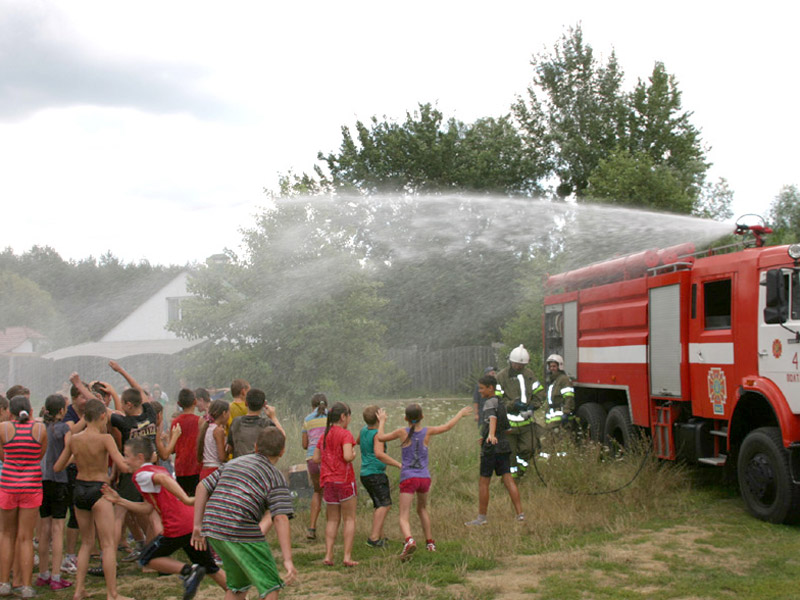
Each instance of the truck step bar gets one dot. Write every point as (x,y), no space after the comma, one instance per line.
(720,432)
(715,461)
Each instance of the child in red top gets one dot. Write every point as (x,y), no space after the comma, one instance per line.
(187,467)
(336,452)
(163,494)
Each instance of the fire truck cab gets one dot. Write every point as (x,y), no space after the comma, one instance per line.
(699,350)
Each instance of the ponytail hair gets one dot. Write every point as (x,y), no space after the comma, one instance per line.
(413,416)
(53,405)
(20,407)
(215,411)
(320,402)
(334,416)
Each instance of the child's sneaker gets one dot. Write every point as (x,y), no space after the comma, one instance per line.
(480,520)
(5,589)
(27,591)
(430,546)
(192,581)
(311,533)
(68,566)
(61,584)
(41,581)
(521,517)
(376,543)
(408,549)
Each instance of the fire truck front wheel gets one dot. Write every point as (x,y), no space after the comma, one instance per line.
(765,480)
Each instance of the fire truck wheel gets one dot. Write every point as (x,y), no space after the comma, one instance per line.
(592,418)
(618,429)
(764,477)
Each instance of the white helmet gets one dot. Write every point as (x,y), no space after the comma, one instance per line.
(556,358)
(519,355)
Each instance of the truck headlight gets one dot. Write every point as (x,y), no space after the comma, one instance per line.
(794,251)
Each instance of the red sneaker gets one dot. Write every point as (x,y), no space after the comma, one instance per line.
(61,584)
(408,549)
(41,581)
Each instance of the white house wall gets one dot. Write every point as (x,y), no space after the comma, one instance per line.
(149,321)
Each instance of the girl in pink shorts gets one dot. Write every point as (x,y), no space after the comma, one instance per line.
(22,444)
(415,478)
(335,452)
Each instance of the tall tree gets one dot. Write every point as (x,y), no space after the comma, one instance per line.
(594,130)
(659,128)
(575,107)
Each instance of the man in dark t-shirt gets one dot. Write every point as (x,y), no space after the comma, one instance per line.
(495,451)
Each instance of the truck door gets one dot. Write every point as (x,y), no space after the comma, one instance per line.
(711,350)
(778,349)
(665,341)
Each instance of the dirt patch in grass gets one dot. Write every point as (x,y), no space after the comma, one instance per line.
(626,558)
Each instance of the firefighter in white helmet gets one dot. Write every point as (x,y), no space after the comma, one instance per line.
(516,384)
(560,398)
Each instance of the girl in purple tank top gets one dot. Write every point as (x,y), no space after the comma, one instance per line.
(415,478)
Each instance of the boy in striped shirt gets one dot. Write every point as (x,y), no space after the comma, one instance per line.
(235,506)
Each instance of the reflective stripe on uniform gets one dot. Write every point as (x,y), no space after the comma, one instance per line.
(568,391)
(553,415)
(523,398)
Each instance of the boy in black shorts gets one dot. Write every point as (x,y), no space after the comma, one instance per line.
(495,451)
(373,474)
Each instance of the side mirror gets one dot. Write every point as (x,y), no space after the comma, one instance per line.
(777,309)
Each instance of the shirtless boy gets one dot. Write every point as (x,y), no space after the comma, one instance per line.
(90,450)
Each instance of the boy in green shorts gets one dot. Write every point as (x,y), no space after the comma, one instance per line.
(235,506)
(373,474)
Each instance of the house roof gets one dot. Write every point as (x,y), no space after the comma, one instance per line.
(118,350)
(12,337)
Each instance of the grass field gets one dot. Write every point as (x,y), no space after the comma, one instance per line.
(674,532)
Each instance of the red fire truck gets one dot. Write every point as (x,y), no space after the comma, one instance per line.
(701,350)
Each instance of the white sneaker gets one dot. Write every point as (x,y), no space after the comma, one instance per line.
(480,520)
(5,589)
(68,566)
(521,517)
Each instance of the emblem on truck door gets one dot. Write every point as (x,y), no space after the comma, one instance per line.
(777,348)
(717,389)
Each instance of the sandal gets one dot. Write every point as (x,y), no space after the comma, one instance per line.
(350,563)
(311,533)
(327,563)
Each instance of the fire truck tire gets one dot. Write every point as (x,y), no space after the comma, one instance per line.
(765,481)
(618,429)
(592,419)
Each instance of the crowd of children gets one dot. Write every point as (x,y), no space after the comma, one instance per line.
(224,486)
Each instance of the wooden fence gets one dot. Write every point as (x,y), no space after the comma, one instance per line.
(453,371)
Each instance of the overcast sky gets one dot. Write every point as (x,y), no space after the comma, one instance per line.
(151,128)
